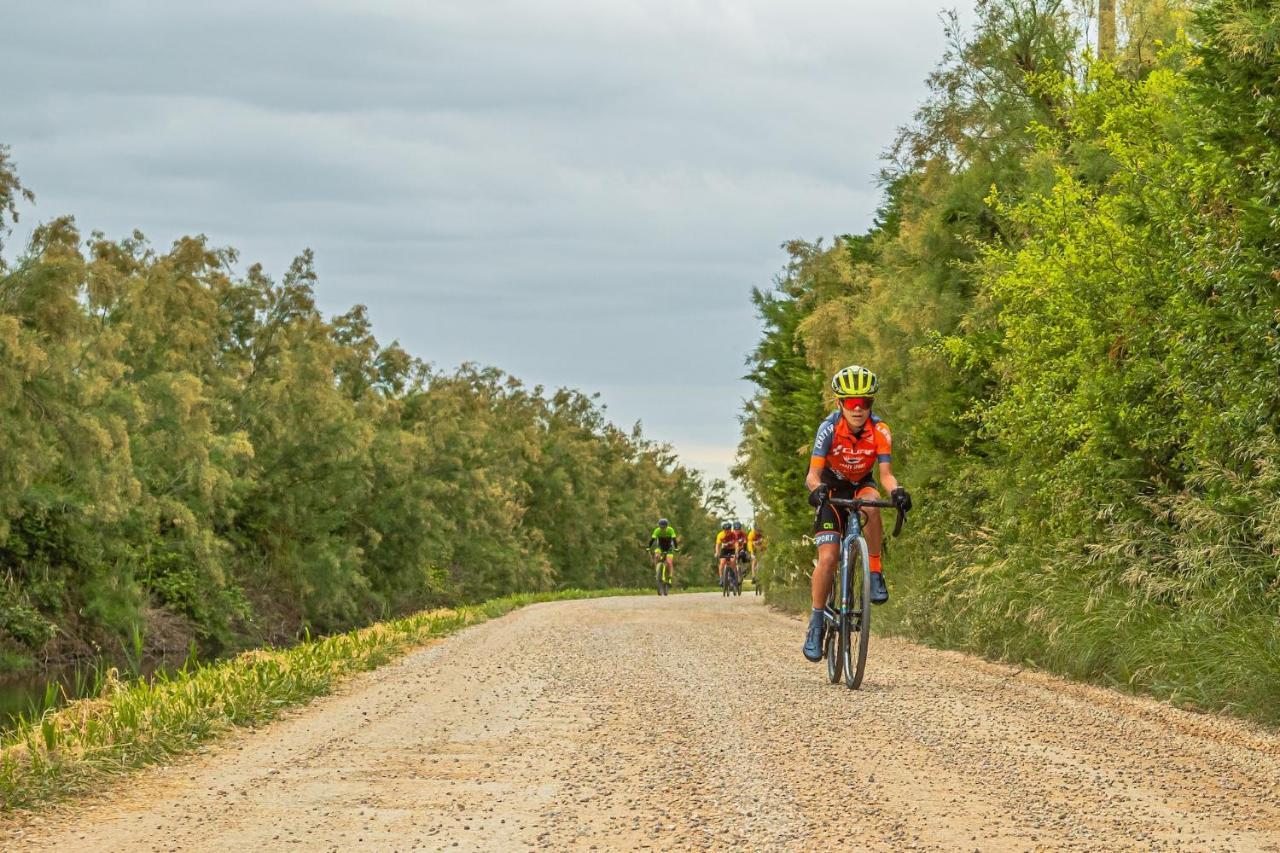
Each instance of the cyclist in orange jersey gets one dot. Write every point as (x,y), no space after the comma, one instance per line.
(849,445)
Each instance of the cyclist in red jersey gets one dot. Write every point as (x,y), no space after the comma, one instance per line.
(849,445)
(729,541)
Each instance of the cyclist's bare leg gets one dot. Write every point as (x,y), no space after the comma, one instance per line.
(874,529)
(671,567)
(824,573)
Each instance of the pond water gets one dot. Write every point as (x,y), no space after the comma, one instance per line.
(29,695)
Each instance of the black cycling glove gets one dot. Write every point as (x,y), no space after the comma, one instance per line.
(901,499)
(819,495)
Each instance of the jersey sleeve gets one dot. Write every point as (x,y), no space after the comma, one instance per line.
(822,441)
(884,442)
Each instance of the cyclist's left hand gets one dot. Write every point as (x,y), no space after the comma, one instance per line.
(901,499)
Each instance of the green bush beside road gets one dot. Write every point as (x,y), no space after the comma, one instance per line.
(1070,297)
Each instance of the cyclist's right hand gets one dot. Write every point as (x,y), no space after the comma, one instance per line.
(819,495)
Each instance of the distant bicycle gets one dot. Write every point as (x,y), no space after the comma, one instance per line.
(663,573)
(744,566)
(848,611)
(732,580)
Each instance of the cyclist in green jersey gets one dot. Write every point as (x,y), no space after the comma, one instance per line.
(664,542)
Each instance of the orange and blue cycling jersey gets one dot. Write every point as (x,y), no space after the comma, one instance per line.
(848,455)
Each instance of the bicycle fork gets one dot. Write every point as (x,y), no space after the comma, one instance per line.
(842,605)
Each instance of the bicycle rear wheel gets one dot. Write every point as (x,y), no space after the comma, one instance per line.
(857,625)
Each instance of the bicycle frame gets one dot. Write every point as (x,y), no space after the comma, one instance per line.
(853,538)
(846,624)
(731,577)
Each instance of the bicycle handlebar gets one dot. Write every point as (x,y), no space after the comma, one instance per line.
(859,503)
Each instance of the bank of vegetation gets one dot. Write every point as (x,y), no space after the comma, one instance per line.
(132,724)
(192,453)
(1071,294)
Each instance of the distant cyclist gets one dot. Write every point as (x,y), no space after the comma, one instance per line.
(849,444)
(729,544)
(663,543)
(755,544)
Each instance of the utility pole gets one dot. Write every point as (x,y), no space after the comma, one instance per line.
(1107,29)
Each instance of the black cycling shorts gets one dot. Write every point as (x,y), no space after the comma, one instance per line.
(829,522)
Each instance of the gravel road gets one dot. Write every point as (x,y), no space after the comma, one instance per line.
(688,723)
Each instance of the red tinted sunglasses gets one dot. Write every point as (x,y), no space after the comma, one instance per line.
(857,402)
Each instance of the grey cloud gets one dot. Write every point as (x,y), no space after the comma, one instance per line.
(580,192)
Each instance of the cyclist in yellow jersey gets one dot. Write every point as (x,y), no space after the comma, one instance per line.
(755,543)
(663,543)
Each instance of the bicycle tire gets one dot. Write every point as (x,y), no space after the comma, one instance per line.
(831,644)
(855,644)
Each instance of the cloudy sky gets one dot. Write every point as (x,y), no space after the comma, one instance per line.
(581,193)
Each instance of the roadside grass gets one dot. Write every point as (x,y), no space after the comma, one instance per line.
(1194,656)
(789,599)
(1194,653)
(130,724)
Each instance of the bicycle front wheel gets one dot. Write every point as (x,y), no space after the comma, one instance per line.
(831,642)
(856,628)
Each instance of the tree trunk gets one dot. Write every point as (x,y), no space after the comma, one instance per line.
(1107,29)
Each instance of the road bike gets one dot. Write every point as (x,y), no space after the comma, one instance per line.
(732,580)
(848,611)
(663,573)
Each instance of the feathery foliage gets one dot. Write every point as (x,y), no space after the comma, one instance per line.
(192,454)
(1071,298)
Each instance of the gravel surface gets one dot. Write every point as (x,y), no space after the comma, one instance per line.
(690,723)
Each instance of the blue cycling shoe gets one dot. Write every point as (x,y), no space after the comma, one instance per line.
(813,639)
(879,592)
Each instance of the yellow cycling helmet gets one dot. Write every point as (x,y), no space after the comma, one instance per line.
(855,381)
